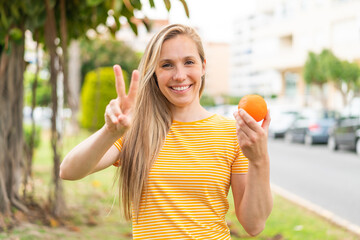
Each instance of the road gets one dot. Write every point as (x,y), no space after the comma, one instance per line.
(327,179)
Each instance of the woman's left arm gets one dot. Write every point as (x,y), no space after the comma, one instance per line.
(252,193)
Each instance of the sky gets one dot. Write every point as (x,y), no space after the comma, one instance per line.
(213,18)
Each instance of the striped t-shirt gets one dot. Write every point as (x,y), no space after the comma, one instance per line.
(188,184)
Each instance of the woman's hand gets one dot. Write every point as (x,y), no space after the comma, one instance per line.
(252,193)
(119,111)
(252,137)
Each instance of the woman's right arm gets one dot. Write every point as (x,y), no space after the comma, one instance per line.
(98,151)
(91,155)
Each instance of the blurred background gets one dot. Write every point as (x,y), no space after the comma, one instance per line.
(56,78)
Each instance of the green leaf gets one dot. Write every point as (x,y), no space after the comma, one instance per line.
(186,8)
(112,31)
(15,34)
(15,11)
(117,5)
(2,38)
(152,4)
(136,4)
(93,3)
(52,3)
(128,5)
(147,23)
(167,4)
(127,13)
(133,27)
(34,8)
(117,22)
(4,21)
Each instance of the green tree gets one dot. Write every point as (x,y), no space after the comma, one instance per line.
(342,73)
(54,23)
(102,53)
(12,66)
(314,73)
(350,80)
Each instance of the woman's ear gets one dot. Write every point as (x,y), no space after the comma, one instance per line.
(203,67)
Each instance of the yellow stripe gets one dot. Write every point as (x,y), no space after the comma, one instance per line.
(186,194)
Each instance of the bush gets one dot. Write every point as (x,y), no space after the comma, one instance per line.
(98,89)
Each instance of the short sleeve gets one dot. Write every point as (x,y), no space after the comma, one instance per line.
(118,144)
(240,164)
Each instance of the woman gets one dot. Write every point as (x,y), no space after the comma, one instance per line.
(177,159)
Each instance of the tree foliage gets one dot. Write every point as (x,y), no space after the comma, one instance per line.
(102,53)
(314,70)
(54,23)
(325,67)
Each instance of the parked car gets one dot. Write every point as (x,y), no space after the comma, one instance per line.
(346,132)
(281,122)
(311,126)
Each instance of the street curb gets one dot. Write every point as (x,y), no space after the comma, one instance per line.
(329,216)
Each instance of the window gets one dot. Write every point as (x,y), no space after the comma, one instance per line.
(286,41)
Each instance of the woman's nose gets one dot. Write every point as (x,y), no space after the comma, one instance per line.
(180,74)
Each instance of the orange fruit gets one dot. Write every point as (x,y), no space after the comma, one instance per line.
(254,105)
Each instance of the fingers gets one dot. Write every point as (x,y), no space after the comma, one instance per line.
(241,125)
(266,123)
(249,127)
(124,121)
(134,85)
(119,82)
(250,122)
(113,111)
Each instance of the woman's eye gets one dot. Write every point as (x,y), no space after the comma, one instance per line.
(166,65)
(189,62)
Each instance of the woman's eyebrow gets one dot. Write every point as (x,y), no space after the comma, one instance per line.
(165,60)
(170,60)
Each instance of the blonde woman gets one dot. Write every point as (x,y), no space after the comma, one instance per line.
(176,160)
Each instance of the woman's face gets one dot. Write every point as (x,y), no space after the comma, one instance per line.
(179,71)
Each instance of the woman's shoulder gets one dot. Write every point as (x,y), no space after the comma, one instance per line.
(224,120)
(222,123)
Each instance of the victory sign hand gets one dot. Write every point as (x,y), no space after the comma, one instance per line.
(119,111)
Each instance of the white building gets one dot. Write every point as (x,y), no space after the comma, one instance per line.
(272,43)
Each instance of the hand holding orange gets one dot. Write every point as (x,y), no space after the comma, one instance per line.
(254,105)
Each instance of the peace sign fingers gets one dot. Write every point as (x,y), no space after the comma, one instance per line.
(134,85)
(119,82)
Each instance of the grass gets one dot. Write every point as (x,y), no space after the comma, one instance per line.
(93,214)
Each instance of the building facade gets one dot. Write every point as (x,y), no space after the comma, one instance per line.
(271,46)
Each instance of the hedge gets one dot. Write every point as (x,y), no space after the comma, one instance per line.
(97,91)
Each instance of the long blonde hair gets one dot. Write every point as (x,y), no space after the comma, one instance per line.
(152,119)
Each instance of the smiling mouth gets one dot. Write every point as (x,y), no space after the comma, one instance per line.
(183,88)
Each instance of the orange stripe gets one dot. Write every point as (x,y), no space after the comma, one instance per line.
(186,194)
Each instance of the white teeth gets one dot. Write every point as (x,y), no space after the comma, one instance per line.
(180,88)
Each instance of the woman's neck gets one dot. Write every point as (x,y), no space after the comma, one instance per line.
(190,114)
